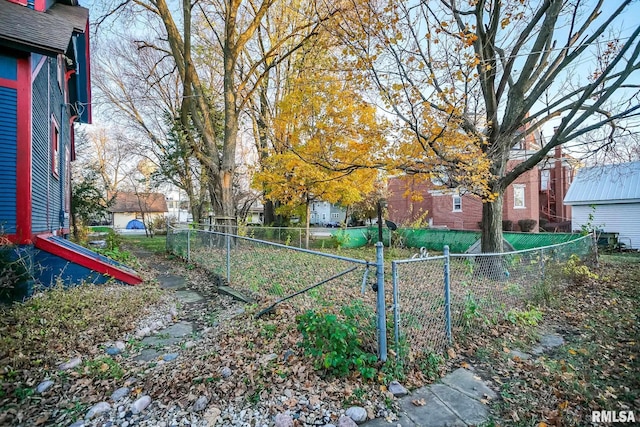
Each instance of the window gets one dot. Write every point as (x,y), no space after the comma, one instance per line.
(324,216)
(518,196)
(55,147)
(457,203)
(335,215)
(544,179)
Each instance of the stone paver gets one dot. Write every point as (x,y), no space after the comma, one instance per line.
(469,410)
(148,354)
(457,401)
(171,335)
(189,297)
(465,381)
(433,413)
(171,281)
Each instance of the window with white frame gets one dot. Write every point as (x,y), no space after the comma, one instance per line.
(545,175)
(518,196)
(335,215)
(457,203)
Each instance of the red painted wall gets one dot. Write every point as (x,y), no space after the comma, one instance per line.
(23,160)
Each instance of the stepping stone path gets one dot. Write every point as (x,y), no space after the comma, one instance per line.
(171,281)
(460,399)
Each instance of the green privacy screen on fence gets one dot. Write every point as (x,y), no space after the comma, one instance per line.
(435,240)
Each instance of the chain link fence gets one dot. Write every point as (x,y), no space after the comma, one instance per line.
(270,273)
(289,236)
(437,299)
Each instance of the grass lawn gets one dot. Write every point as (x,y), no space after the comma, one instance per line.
(157,244)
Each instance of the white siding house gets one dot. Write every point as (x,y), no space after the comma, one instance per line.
(611,194)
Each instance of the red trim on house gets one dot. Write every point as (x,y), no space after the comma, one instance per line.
(23,161)
(13,84)
(40,5)
(20,2)
(94,264)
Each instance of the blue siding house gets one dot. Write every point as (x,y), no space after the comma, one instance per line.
(44,90)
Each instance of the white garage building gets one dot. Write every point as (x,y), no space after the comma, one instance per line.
(611,193)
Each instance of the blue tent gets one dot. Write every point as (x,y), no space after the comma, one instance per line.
(135,224)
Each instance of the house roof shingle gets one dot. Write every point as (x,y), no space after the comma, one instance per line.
(141,202)
(605,184)
(47,33)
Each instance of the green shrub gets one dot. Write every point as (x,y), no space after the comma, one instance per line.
(113,250)
(335,342)
(527,225)
(575,270)
(530,317)
(340,238)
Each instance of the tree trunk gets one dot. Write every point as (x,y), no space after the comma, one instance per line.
(269,217)
(307,225)
(227,170)
(492,225)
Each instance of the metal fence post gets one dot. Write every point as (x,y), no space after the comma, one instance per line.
(396,308)
(447,294)
(228,258)
(382,318)
(189,245)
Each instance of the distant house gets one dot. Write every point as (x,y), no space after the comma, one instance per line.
(44,90)
(610,194)
(178,207)
(412,199)
(129,207)
(325,213)
(255,213)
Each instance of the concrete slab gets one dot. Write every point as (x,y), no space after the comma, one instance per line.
(171,281)
(148,354)
(469,410)
(468,383)
(432,414)
(551,340)
(169,336)
(402,421)
(188,297)
(519,354)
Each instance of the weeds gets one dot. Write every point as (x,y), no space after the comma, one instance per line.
(59,319)
(531,317)
(335,342)
(103,368)
(576,271)
(430,365)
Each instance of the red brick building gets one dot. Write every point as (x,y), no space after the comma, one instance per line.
(536,194)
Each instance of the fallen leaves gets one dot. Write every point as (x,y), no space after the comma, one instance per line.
(418,402)
(596,368)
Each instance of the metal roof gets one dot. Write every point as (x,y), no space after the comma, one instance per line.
(608,184)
